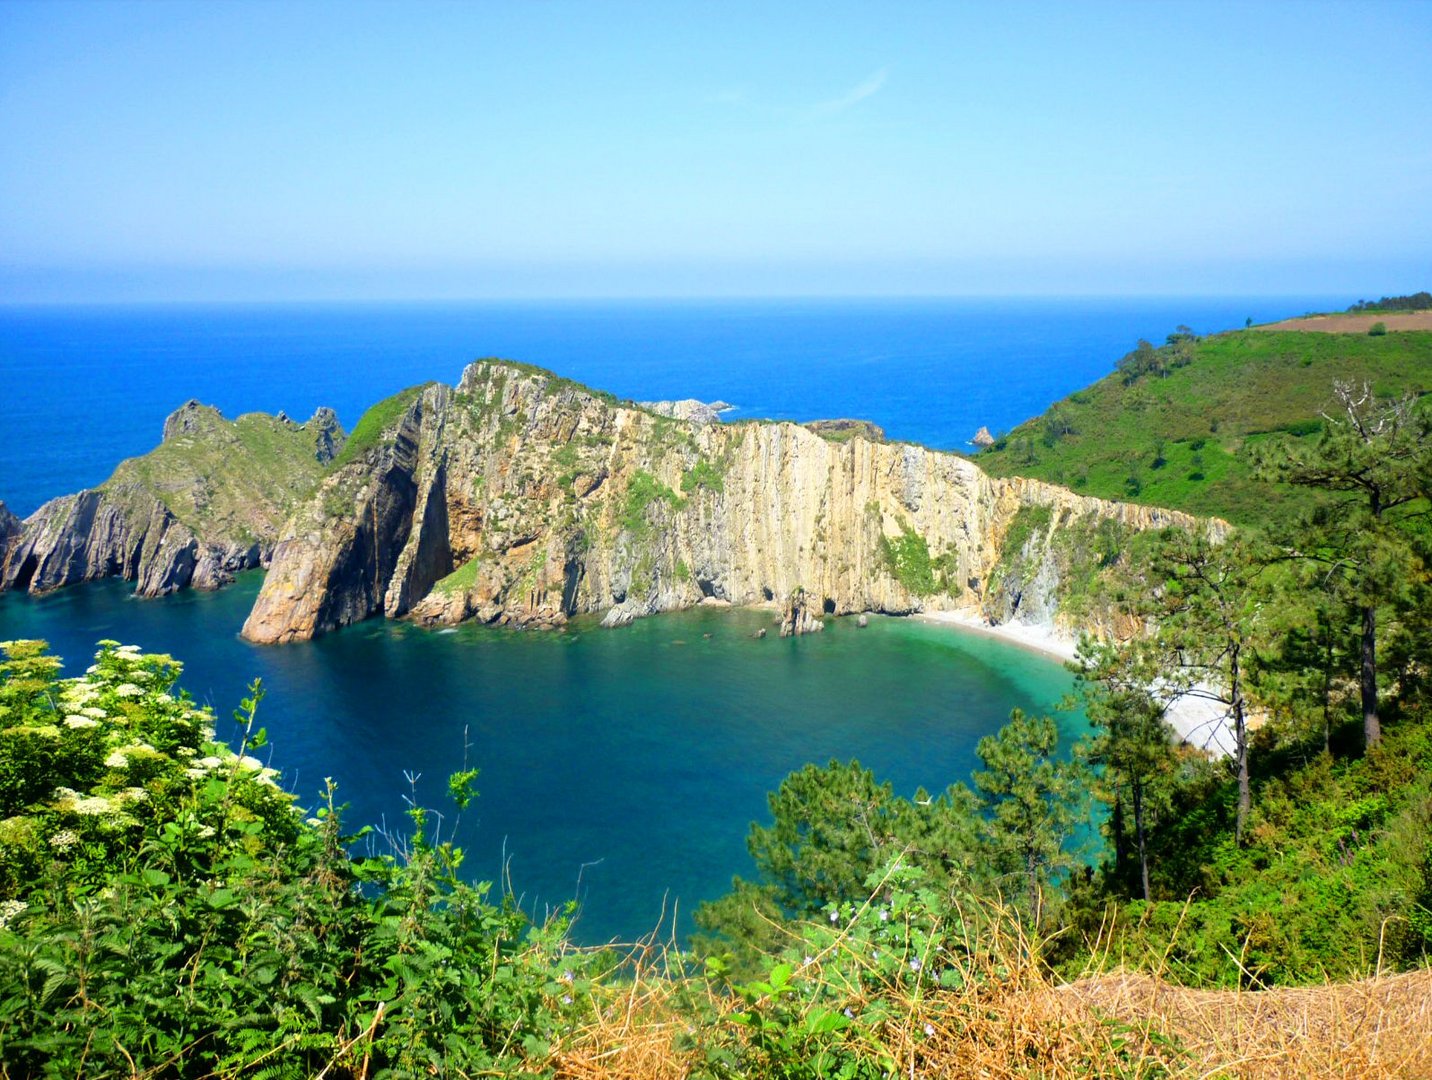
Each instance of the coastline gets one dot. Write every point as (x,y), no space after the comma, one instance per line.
(1040,639)
(1196,720)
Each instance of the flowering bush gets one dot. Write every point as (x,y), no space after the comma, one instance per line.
(166,908)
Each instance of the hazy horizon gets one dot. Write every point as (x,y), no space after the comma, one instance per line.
(376,152)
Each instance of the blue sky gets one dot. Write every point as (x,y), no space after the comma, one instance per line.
(291,151)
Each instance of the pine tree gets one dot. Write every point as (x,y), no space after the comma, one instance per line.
(1378,453)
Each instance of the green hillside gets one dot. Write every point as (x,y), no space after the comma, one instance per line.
(1179,432)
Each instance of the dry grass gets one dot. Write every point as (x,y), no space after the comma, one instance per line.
(1355,324)
(1014,1020)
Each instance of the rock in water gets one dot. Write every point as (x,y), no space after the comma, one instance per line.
(983,438)
(798,618)
(863,621)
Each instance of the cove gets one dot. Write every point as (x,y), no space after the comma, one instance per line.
(619,767)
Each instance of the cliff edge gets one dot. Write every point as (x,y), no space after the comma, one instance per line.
(522,498)
(208,502)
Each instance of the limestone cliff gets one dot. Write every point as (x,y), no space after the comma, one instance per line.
(522,498)
(10,529)
(207,502)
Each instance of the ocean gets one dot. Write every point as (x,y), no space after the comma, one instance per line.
(619,768)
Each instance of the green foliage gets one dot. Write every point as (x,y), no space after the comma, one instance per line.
(1237,388)
(372,427)
(1419,301)
(644,491)
(836,828)
(704,474)
(165,909)
(460,580)
(907,559)
(1377,329)
(1032,801)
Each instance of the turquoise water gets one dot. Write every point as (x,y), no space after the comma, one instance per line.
(622,767)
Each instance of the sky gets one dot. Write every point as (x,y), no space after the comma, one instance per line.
(289,151)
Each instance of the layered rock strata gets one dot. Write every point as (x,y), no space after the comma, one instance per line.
(208,502)
(522,498)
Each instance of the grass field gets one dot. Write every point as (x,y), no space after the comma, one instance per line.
(1183,440)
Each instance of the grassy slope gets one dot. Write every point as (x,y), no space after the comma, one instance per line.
(1239,387)
(239,477)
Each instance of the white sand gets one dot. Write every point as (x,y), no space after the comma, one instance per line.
(1199,721)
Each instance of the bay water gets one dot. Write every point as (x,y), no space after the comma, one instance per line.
(619,768)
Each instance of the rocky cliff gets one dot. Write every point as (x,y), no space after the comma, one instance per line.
(209,501)
(523,498)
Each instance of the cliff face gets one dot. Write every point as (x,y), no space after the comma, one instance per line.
(207,502)
(523,498)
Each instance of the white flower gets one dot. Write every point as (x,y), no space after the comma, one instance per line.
(209,762)
(9,909)
(929,1030)
(128,690)
(76,721)
(60,794)
(196,774)
(185,751)
(116,760)
(127,650)
(133,794)
(64,840)
(315,822)
(94,714)
(93,806)
(249,762)
(205,831)
(164,699)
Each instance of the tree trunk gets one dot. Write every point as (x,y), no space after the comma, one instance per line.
(1139,828)
(1240,735)
(1371,726)
(1120,844)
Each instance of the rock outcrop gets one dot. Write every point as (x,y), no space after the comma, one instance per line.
(208,502)
(797,617)
(688,409)
(11,529)
(983,438)
(847,429)
(522,498)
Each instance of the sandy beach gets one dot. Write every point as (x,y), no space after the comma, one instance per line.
(1196,719)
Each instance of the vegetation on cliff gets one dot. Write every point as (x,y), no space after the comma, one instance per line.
(1179,425)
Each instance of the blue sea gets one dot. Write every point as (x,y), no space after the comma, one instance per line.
(620,768)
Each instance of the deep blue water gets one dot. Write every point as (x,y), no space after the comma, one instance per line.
(85,387)
(632,759)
